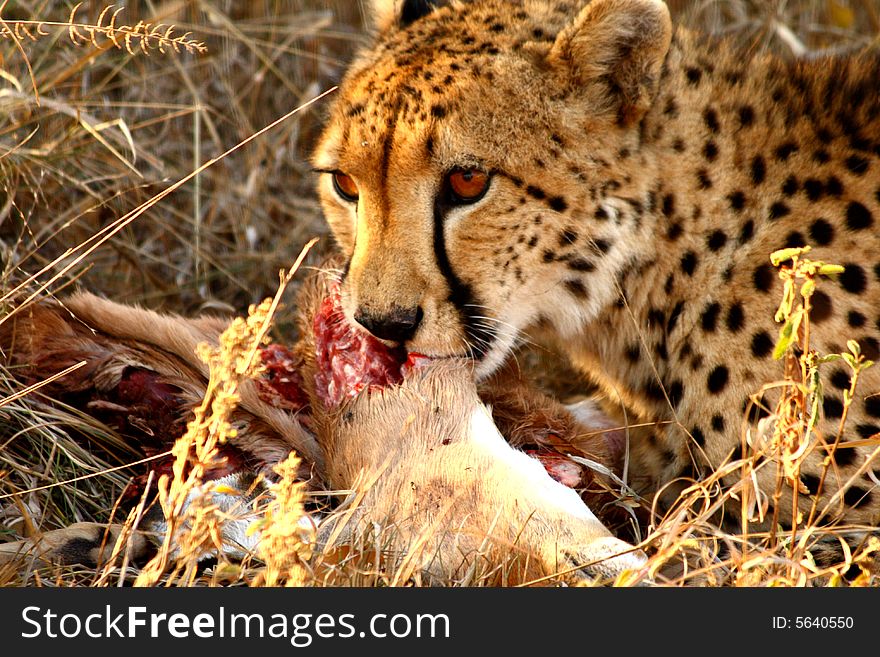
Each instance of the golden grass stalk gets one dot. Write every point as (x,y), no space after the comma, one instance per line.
(287,538)
(797,411)
(193,522)
(106,31)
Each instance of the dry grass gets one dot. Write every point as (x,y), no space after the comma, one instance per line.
(95,126)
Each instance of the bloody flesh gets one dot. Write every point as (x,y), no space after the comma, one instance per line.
(348,359)
(561,468)
(282,383)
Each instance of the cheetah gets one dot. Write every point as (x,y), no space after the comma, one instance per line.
(496,169)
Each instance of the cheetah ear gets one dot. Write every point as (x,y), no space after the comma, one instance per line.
(389,14)
(621,45)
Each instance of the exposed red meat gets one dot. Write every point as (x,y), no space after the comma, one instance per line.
(560,467)
(282,384)
(348,358)
(143,406)
(414,361)
(140,405)
(151,413)
(230,460)
(143,387)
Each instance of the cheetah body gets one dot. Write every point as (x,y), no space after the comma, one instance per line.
(638,179)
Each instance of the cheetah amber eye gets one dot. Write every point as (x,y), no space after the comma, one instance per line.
(345,186)
(468,185)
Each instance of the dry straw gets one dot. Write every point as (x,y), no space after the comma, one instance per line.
(105,31)
(81,162)
(193,520)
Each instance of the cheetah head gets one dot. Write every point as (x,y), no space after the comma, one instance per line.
(470,167)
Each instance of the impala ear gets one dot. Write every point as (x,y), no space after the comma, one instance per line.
(620,44)
(387,14)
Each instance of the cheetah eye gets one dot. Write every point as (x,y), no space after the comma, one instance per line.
(468,185)
(345,186)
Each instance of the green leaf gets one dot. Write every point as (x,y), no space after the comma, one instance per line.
(808,288)
(786,337)
(831,270)
(778,257)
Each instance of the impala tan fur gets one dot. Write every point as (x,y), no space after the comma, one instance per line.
(454,494)
(438,470)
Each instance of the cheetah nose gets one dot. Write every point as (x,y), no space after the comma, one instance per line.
(398,325)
